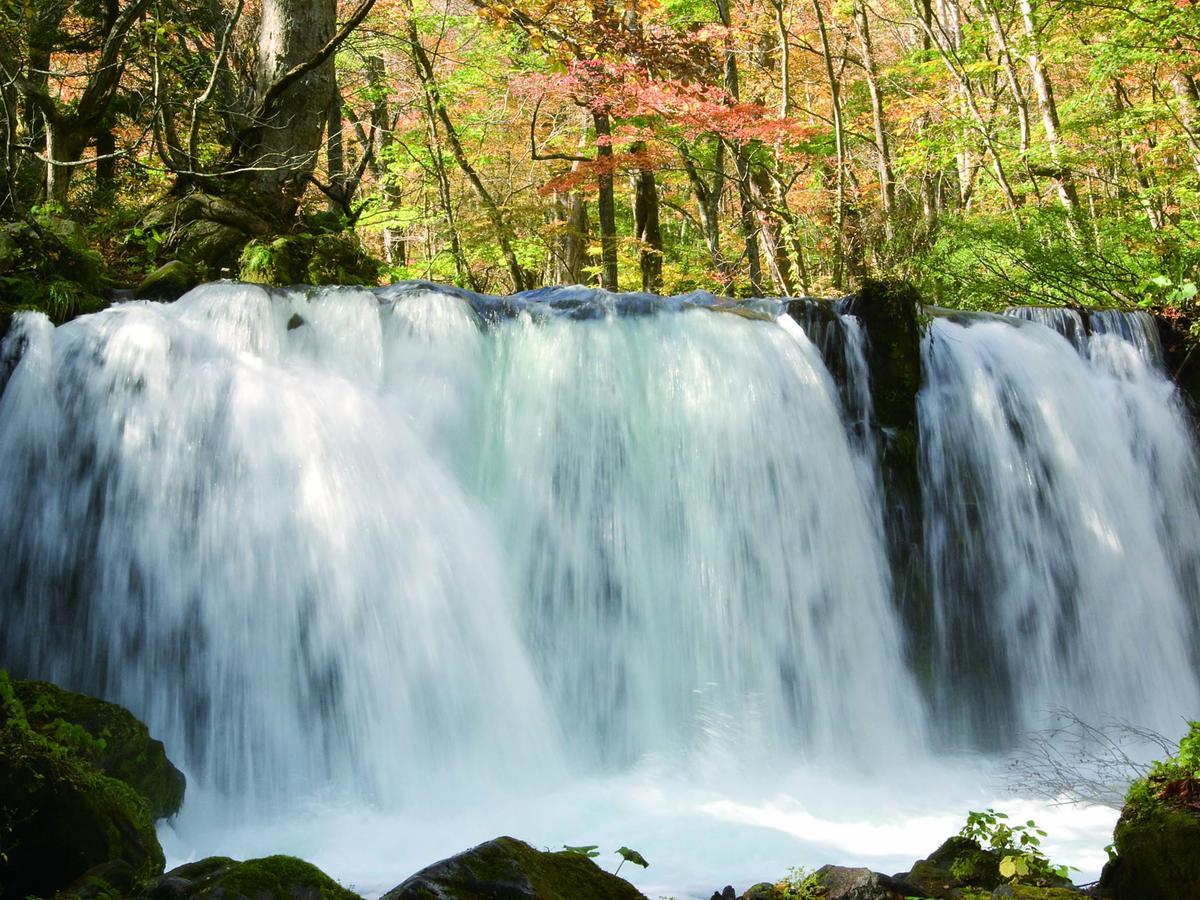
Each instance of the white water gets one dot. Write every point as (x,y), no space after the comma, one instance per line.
(416,573)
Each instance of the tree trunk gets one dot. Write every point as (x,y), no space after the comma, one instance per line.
(437,107)
(887,186)
(741,161)
(840,146)
(647,230)
(606,204)
(285,143)
(1063,181)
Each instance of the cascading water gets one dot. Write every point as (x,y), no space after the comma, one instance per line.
(1060,491)
(416,567)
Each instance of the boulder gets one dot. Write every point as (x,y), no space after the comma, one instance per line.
(268,878)
(958,863)
(512,870)
(169,281)
(107,737)
(305,258)
(1158,854)
(61,817)
(842,883)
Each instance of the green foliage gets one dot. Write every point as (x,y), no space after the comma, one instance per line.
(1019,846)
(800,884)
(1171,781)
(591,851)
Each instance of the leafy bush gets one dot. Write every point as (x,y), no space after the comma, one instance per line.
(1019,846)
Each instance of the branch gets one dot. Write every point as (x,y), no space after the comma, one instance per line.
(533,150)
(271,96)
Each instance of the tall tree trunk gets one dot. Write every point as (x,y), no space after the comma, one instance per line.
(741,160)
(887,185)
(647,229)
(335,153)
(708,203)
(1044,92)
(285,134)
(607,203)
(438,108)
(840,146)
(1188,99)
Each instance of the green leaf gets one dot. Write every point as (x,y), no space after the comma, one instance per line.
(591,851)
(633,856)
(1008,866)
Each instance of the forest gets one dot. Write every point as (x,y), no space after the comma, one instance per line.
(992,152)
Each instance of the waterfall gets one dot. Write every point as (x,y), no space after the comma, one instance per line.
(1060,494)
(397,549)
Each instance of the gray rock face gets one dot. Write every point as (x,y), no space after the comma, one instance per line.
(842,883)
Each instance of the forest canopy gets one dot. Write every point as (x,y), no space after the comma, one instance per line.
(994,151)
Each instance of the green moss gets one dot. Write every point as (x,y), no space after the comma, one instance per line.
(60,816)
(508,867)
(322,258)
(108,737)
(277,877)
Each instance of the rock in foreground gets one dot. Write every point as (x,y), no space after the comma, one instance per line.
(269,878)
(508,869)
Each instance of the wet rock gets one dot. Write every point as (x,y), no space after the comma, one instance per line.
(168,282)
(107,737)
(958,863)
(60,816)
(1158,854)
(268,878)
(512,870)
(842,883)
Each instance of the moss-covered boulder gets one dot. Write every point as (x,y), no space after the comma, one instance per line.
(958,863)
(308,258)
(60,817)
(113,880)
(269,878)
(107,737)
(1158,854)
(511,869)
(169,281)
(51,270)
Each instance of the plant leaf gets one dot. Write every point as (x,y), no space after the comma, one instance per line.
(633,856)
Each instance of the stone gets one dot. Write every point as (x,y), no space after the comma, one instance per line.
(1158,854)
(958,863)
(511,869)
(106,736)
(169,281)
(268,878)
(843,883)
(60,817)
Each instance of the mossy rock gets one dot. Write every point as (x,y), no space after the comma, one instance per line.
(511,869)
(169,281)
(1036,892)
(268,878)
(890,314)
(322,258)
(59,817)
(958,863)
(39,271)
(113,880)
(106,736)
(764,890)
(1158,853)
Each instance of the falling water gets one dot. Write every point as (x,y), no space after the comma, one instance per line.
(453,563)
